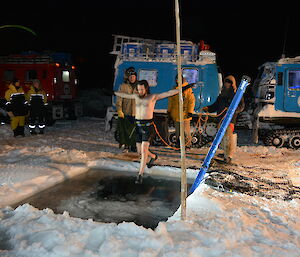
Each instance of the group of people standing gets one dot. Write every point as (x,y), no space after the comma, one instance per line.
(135,106)
(21,105)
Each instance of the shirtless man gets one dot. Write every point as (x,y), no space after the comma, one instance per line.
(144,107)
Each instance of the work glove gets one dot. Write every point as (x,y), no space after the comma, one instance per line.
(121,114)
(189,115)
(205,109)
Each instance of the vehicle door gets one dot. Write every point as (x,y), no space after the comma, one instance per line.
(291,101)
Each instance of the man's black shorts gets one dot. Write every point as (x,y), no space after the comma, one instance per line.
(144,130)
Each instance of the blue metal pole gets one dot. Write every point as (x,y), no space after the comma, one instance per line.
(218,138)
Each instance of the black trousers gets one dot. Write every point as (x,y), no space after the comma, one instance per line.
(37,120)
(126,130)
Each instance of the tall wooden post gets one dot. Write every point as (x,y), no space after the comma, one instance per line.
(182,139)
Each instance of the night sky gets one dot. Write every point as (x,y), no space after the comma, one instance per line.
(244,34)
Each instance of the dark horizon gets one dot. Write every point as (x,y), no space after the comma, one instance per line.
(242,37)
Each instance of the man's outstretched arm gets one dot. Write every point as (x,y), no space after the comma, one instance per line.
(167,94)
(124,95)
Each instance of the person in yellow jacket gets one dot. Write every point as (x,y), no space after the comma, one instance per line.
(188,109)
(37,100)
(16,107)
(126,111)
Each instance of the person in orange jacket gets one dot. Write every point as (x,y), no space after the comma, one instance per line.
(188,109)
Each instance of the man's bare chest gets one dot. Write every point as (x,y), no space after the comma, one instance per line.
(143,102)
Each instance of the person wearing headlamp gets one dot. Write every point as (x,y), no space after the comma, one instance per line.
(126,111)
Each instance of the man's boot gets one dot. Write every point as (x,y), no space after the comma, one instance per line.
(41,128)
(15,132)
(21,131)
(32,129)
(132,148)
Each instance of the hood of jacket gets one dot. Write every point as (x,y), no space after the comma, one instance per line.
(231,78)
(12,88)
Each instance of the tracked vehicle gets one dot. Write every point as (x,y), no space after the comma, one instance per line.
(56,74)
(155,61)
(276,116)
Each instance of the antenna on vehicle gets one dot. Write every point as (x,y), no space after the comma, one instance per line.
(285,36)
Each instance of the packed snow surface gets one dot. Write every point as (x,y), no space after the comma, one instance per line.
(219,222)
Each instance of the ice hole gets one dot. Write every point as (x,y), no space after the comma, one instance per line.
(110,196)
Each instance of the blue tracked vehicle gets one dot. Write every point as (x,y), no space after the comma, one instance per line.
(155,61)
(277,103)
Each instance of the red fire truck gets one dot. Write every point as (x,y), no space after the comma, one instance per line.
(57,76)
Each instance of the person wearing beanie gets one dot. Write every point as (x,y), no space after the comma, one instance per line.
(223,101)
(188,110)
(126,111)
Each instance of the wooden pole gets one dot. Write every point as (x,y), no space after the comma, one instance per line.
(182,139)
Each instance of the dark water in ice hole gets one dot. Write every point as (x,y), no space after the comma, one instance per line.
(110,196)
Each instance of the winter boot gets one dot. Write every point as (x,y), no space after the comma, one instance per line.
(132,149)
(41,128)
(15,132)
(228,160)
(31,127)
(126,149)
(21,131)
(32,131)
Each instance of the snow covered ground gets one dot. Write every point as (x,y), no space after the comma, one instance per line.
(219,223)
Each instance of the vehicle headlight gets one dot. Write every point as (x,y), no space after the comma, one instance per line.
(269,95)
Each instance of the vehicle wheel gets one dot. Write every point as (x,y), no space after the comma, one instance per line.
(277,141)
(196,140)
(172,138)
(211,129)
(156,140)
(295,142)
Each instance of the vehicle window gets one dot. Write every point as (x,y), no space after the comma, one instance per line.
(294,80)
(30,75)
(149,75)
(190,74)
(65,76)
(8,75)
